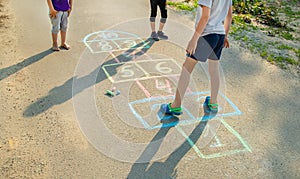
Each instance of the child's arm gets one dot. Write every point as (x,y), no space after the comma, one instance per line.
(227,25)
(71,6)
(51,8)
(199,30)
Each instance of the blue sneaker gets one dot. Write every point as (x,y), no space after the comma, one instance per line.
(167,109)
(208,107)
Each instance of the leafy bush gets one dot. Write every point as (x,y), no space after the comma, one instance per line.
(259,10)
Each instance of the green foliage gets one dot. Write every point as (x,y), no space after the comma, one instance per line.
(281,47)
(281,59)
(182,6)
(254,7)
(290,13)
(270,58)
(287,36)
(241,19)
(264,54)
(297,53)
(259,10)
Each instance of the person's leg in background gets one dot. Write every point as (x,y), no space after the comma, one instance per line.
(63,31)
(55,21)
(152,19)
(164,15)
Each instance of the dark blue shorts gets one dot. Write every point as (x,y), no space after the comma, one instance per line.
(209,47)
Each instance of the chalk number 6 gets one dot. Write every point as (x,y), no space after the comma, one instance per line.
(162,69)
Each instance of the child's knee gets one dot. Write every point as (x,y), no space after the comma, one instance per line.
(64,27)
(163,20)
(152,19)
(55,29)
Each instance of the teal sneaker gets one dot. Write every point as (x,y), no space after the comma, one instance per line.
(167,109)
(208,107)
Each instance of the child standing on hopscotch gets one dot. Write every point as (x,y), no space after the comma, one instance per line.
(59,13)
(213,22)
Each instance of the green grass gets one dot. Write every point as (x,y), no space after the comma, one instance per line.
(290,13)
(264,54)
(297,53)
(282,47)
(287,36)
(182,6)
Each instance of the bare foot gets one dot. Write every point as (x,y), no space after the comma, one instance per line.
(55,47)
(65,46)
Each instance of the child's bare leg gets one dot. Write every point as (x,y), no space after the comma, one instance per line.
(153,33)
(184,80)
(214,73)
(160,33)
(161,26)
(152,24)
(54,40)
(63,40)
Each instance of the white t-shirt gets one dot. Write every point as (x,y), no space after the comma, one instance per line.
(218,13)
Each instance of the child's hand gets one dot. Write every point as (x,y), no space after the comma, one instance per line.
(191,48)
(226,43)
(69,12)
(53,13)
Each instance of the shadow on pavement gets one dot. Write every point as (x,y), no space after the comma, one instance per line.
(6,72)
(164,169)
(63,93)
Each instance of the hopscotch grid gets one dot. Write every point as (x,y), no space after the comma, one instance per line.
(118,46)
(144,53)
(220,154)
(148,127)
(143,70)
(89,47)
(147,93)
(143,61)
(145,124)
(236,109)
(115,50)
(180,130)
(165,97)
(101,35)
(191,120)
(115,57)
(108,39)
(143,78)
(136,64)
(107,74)
(237,135)
(139,50)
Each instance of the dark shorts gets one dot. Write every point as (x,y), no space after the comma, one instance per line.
(209,47)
